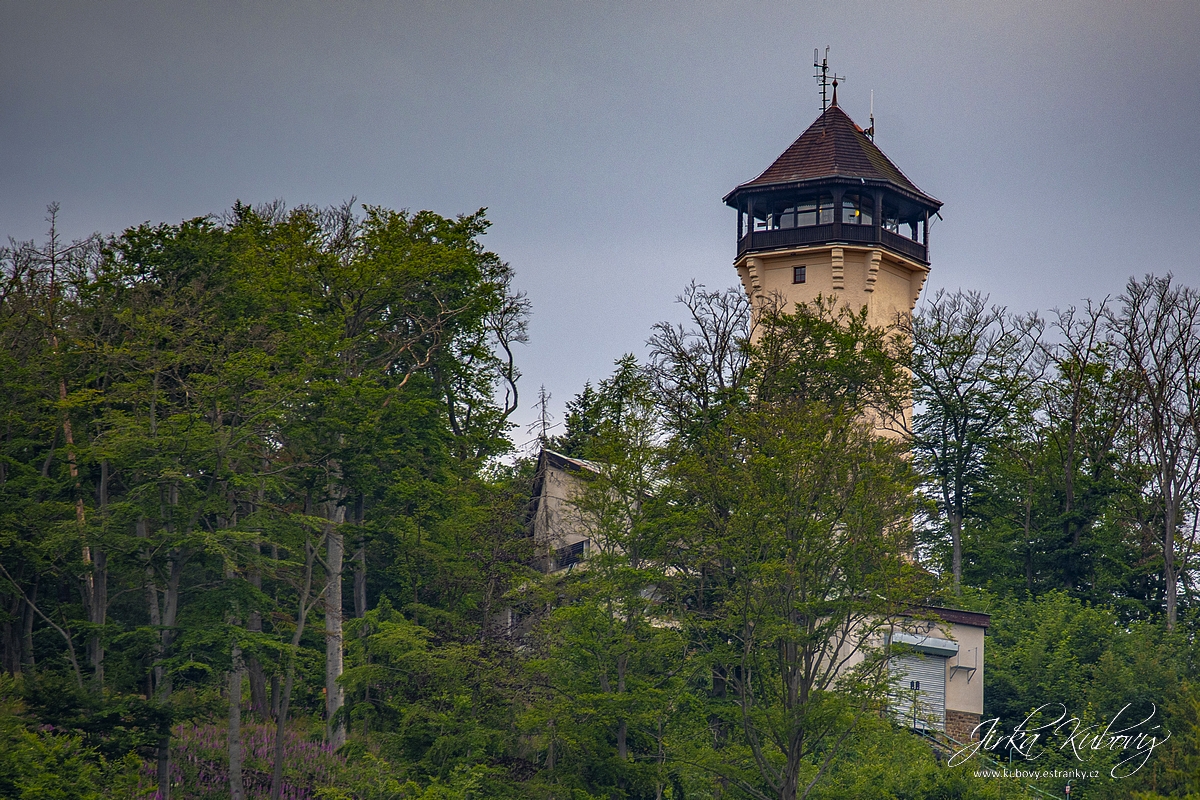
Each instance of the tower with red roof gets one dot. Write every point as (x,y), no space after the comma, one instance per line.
(833,216)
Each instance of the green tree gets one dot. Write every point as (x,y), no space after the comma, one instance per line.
(698,372)
(196,402)
(973,366)
(1055,478)
(610,654)
(805,516)
(1059,651)
(1158,339)
(40,765)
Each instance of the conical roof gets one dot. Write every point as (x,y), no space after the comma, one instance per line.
(833,147)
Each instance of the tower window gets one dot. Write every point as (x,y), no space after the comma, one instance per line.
(856,209)
(891,218)
(813,211)
(806,213)
(799,274)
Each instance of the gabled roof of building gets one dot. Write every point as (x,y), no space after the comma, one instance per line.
(548,458)
(556,460)
(561,461)
(833,147)
(977,619)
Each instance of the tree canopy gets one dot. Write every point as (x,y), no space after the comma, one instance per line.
(263,532)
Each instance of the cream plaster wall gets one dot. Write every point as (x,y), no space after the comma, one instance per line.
(964,685)
(964,688)
(558,521)
(887,284)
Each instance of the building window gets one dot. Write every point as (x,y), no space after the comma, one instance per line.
(571,554)
(891,218)
(799,274)
(856,209)
(809,211)
(806,213)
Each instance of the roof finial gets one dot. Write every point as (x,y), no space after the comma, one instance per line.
(834,103)
(822,76)
(871,130)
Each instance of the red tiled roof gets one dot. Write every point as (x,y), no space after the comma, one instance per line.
(833,147)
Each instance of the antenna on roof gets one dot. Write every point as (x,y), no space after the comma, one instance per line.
(823,77)
(871,130)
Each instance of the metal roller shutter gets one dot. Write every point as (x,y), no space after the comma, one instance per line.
(920,677)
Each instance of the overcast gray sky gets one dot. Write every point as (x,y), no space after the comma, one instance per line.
(601,136)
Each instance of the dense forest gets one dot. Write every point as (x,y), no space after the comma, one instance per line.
(264,532)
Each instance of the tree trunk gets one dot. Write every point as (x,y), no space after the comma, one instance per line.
(254,667)
(163,687)
(284,698)
(280,729)
(95,614)
(791,779)
(155,615)
(259,703)
(360,562)
(276,691)
(258,678)
(98,615)
(27,659)
(335,727)
(163,755)
(97,604)
(73,469)
(956,544)
(622,723)
(1170,576)
(236,674)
